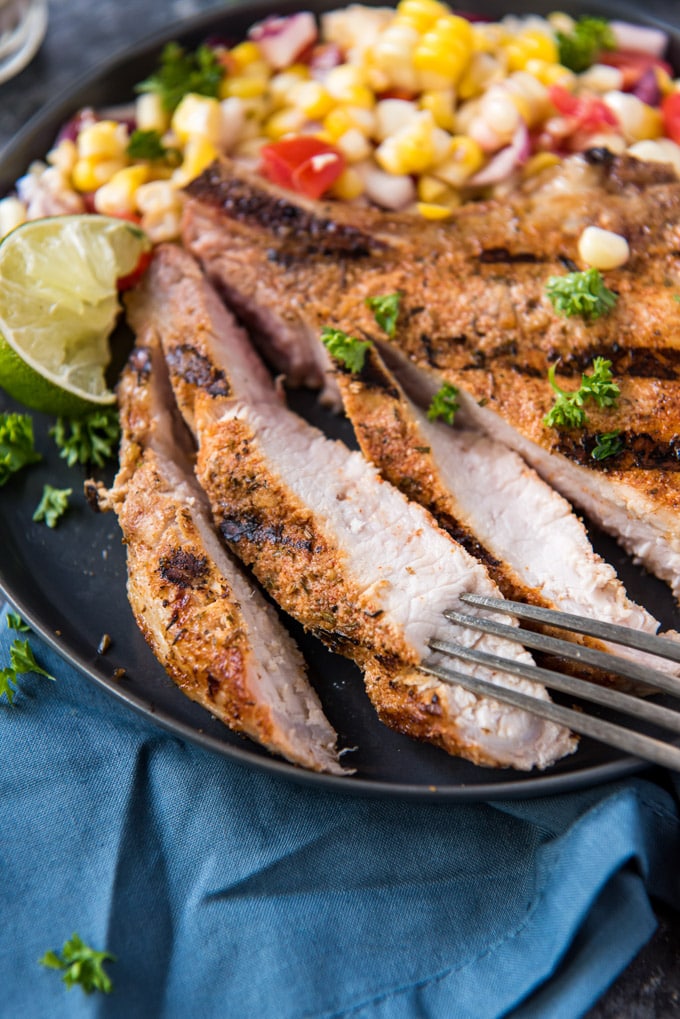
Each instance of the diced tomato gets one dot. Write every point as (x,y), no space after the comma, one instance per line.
(670,111)
(590,114)
(397,93)
(304,164)
(633,64)
(133,278)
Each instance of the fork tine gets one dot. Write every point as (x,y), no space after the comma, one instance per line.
(567,649)
(646,747)
(660,646)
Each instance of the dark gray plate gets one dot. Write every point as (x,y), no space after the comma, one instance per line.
(70,583)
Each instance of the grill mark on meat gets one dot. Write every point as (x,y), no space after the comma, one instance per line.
(183,568)
(643,362)
(493,256)
(640,450)
(254,529)
(190,365)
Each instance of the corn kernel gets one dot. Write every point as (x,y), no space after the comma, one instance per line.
(118,196)
(444,51)
(283,122)
(106,139)
(661,151)
(349,185)
(150,114)
(465,158)
(393,56)
(664,81)
(197,116)
(312,98)
(280,85)
(391,115)
(483,71)
(344,118)
(540,161)
(550,74)
(346,84)
(411,149)
(12,214)
(637,121)
(64,156)
(354,146)
(420,14)
(603,249)
(430,189)
(199,153)
(244,88)
(244,54)
(531,44)
(431,211)
(89,174)
(440,103)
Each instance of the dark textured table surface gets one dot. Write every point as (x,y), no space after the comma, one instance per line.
(81,36)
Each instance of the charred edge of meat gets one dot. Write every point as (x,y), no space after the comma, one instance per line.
(599,156)
(495,255)
(196,369)
(373,377)
(311,234)
(183,569)
(464,537)
(643,362)
(94,492)
(639,450)
(626,171)
(251,528)
(335,640)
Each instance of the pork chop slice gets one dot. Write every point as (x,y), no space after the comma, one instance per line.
(340,550)
(204,620)
(475,312)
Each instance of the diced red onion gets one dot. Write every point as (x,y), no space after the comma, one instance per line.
(647,88)
(639,37)
(324,58)
(506,161)
(282,40)
(72,128)
(385,189)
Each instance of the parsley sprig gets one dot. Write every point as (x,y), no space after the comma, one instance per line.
(385,308)
(580,48)
(150,145)
(346,349)
(82,965)
(21,661)
(53,505)
(92,439)
(17,444)
(180,73)
(581,293)
(444,404)
(568,410)
(15,622)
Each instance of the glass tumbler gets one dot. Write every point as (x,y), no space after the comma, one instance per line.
(22,28)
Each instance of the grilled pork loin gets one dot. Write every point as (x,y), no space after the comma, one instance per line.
(340,550)
(213,632)
(482,493)
(474,312)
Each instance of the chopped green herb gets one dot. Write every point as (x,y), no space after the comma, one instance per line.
(581,293)
(345,348)
(567,411)
(92,439)
(580,48)
(21,660)
(53,505)
(676,297)
(82,965)
(608,444)
(8,677)
(17,444)
(15,622)
(385,310)
(149,145)
(444,404)
(180,73)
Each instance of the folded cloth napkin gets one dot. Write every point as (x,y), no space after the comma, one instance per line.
(224,891)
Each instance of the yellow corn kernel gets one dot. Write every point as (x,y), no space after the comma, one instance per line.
(432,190)
(489,37)
(64,156)
(440,103)
(161,209)
(354,146)
(199,153)
(465,158)
(244,88)
(150,114)
(482,71)
(445,49)
(346,84)
(531,44)
(411,149)
(541,161)
(197,116)
(603,249)
(637,121)
(312,98)
(349,185)
(664,81)
(391,59)
(89,174)
(283,122)
(118,196)
(431,211)
(244,54)
(420,14)
(106,139)
(549,74)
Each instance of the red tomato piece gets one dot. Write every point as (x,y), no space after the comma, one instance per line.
(670,111)
(304,164)
(133,278)
(590,113)
(633,64)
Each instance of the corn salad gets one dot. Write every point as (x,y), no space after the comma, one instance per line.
(414,108)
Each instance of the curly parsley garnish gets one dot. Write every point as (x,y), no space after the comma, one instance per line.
(82,965)
(17,444)
(345,348)
(580,48)
(385,308)
(92,439)
(180,73)
(53,505)
(21,660)
(567,411)
(444,404)
(15,622)
(581,293)
(608,444)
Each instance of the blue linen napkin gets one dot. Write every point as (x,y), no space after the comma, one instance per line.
(226,892)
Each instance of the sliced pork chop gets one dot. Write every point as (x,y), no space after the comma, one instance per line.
(486,497)
(474,312)
(343,552)
(213,632)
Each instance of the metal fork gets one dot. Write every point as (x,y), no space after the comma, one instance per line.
(658,751)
